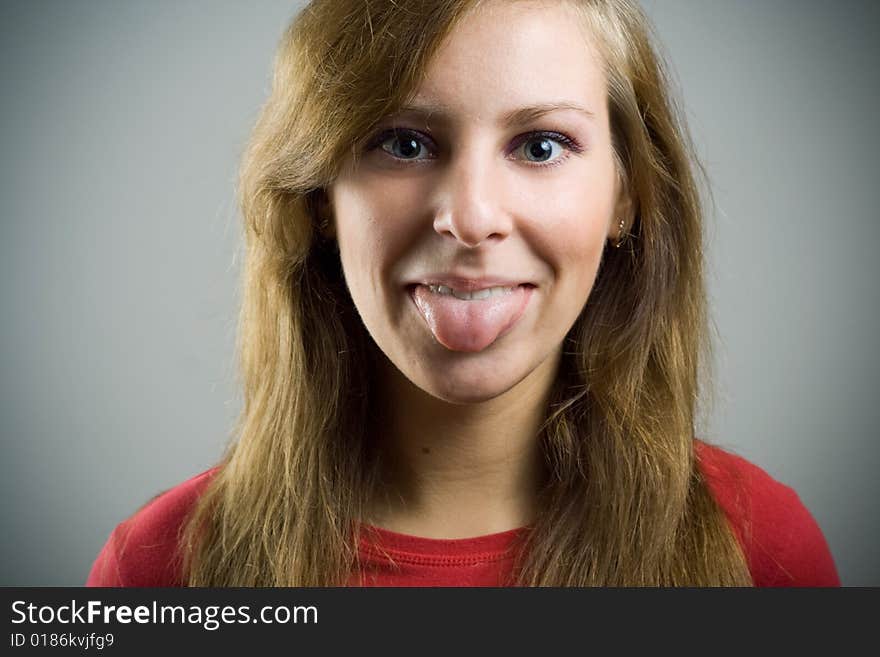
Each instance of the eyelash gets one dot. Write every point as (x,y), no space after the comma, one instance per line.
(569,144)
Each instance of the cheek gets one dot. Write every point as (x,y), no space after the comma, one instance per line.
(373,230)
(577,251)
(569,228)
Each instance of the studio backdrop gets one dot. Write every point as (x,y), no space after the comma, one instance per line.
(120,252)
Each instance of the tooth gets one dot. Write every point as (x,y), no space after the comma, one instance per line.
(465,295)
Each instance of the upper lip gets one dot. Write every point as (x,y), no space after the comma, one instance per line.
(469,284)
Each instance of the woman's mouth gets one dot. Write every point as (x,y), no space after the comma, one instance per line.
(470,320)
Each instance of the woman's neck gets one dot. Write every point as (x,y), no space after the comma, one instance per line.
(460,470)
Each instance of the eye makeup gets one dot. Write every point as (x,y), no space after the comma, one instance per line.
(568,145)
(402,134)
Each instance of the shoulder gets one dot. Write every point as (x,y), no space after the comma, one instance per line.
(783,543)
(143,550)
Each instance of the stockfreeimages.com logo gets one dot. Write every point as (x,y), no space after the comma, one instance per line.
(211,617)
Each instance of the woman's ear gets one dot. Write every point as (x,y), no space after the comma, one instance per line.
(323,209)
(624,214)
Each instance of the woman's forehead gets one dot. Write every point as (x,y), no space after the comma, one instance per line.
(506,61)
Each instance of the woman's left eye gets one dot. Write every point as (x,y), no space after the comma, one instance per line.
(545,147)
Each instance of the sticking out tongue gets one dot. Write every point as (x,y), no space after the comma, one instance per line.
(470,325)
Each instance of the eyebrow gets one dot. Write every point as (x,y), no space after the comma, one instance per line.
(515,117)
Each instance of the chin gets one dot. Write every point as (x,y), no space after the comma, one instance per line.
(464,385)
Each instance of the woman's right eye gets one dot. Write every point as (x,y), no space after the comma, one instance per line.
(403,145)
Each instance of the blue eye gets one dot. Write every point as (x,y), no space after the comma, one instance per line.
(403,144)
(542,148)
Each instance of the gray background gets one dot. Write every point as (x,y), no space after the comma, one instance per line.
(122,125)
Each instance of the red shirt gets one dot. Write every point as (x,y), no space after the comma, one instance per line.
(782,542)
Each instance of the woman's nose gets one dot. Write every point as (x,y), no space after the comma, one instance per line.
(471,208)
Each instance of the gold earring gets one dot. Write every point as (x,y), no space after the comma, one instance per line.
(619,235)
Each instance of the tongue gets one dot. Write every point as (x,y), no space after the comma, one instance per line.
(461,325)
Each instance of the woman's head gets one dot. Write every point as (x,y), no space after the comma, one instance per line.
(339,231)
(474,206)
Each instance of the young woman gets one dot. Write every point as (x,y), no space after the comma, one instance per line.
(473,324)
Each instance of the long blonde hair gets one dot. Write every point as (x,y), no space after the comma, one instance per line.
(625,503)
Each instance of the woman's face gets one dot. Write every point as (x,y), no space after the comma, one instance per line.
(497,182)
